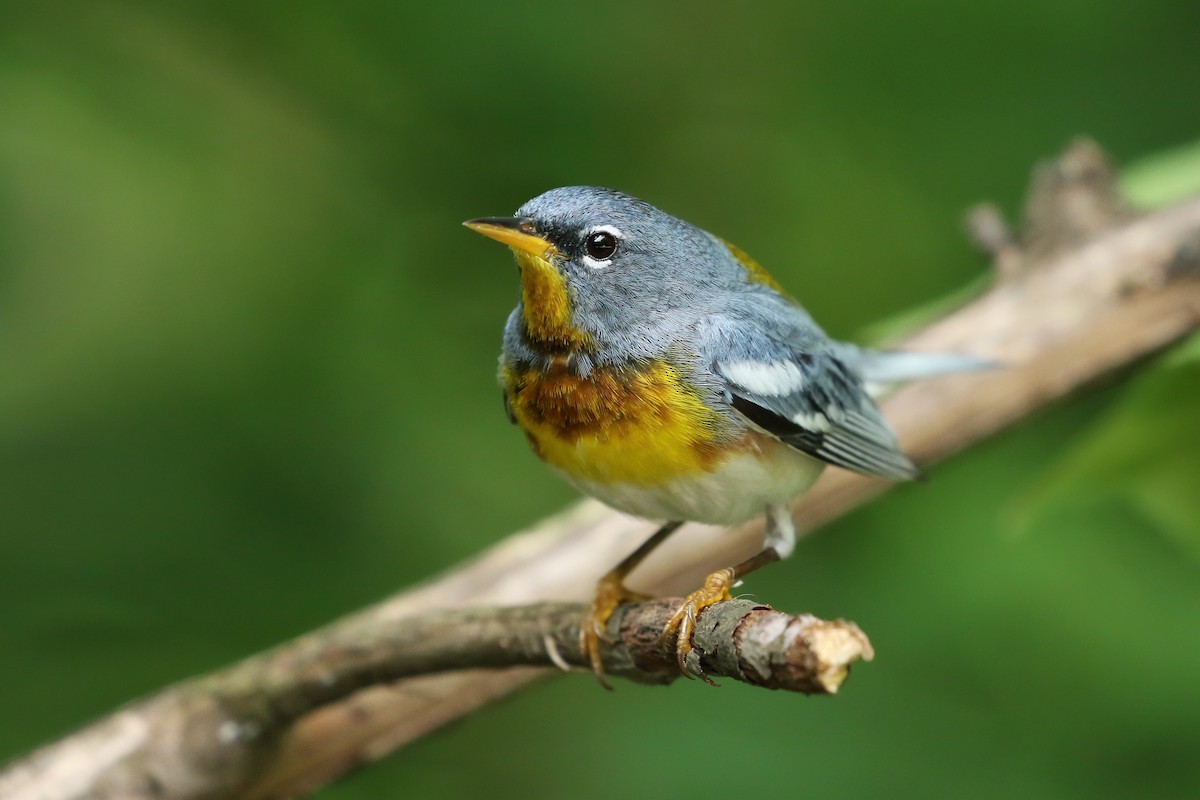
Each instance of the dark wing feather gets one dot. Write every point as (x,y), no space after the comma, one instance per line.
(828,415)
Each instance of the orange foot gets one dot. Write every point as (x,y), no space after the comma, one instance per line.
(610,593)
(683,625)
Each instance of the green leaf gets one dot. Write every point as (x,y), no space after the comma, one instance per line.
(1163,178)
(1142,456)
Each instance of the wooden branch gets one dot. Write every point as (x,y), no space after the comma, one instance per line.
(211,736)
(1088,290)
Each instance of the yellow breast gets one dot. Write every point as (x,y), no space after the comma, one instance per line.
(643,427)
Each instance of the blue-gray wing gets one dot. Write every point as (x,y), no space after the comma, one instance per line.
(798,389)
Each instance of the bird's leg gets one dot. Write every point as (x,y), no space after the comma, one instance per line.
(610,593)
(779,542)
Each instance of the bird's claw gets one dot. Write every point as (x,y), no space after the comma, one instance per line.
(610,593)
(682,626)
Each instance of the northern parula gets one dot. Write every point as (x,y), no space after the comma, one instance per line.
(664,372)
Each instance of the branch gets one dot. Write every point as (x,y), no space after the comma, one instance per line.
(736,639)
(1088,290)
(209,737)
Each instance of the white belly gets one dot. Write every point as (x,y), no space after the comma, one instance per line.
(739,488)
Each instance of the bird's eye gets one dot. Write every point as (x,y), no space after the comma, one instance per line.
(601,245)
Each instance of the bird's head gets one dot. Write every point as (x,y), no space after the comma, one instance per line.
(597,265)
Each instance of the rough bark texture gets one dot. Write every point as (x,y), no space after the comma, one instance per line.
(211,736)
(1088,289)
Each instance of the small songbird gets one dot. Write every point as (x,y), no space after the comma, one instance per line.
(664,372)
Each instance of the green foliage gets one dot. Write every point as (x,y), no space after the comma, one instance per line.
(1164,177)
(1137,460)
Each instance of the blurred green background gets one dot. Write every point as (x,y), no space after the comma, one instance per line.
(247,364)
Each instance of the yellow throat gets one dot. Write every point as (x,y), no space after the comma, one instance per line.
(546,304)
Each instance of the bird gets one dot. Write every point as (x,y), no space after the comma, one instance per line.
(663,371)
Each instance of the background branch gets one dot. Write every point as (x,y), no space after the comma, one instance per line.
(1089,290)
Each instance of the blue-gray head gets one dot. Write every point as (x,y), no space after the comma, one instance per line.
(595,262)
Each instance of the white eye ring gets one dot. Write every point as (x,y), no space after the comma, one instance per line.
(613,233)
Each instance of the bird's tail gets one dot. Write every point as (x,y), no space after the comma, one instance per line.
(881,370)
